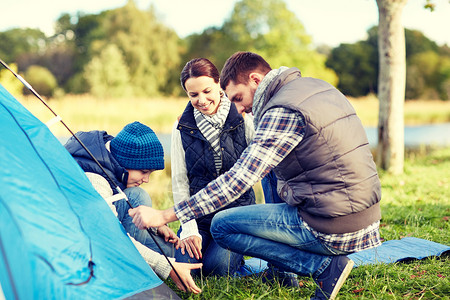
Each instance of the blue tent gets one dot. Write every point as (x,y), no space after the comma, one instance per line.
(58,237)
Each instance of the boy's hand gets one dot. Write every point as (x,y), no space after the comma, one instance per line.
(184,270)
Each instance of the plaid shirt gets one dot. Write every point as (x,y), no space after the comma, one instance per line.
(279,131)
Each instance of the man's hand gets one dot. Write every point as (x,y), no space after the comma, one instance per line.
(168,234)
(145,216)
(193,245)
(184,270)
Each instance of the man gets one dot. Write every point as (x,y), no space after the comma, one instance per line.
(309,134)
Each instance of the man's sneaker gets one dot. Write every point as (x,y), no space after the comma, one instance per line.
(285,279)
(333,277)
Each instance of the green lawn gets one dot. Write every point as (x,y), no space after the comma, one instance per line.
(415,204)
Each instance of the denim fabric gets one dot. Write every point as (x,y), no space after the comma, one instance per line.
(274,233)
(138,196)
(269,186)
(216,260)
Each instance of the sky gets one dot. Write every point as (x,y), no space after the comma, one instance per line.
(329,22)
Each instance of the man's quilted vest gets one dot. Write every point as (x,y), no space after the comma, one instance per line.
(330,175)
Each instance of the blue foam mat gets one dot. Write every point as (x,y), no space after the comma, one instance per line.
(399,250)
(388,252)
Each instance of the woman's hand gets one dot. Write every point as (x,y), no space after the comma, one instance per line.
(169,235)
(193,245)
(184,270)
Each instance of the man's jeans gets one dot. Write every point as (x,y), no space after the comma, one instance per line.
(269,186)
(138,196)
(274,233)
(216,260)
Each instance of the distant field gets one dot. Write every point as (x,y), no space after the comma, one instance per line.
(88,113)
(82,113)
(416,111)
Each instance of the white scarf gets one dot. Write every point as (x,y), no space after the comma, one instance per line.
(211,127)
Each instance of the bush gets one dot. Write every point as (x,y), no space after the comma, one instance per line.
(42,80)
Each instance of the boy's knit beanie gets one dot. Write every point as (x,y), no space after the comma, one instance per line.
(137,147)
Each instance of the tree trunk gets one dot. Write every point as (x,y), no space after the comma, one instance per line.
(391,86)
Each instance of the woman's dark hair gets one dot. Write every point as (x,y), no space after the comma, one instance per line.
(199,67)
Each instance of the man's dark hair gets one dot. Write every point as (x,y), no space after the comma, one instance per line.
(240,65)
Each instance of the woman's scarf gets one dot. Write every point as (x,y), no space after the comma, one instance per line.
(211,127)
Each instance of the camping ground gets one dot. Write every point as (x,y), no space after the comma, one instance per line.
(416,203)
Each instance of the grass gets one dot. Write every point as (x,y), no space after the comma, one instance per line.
(413,204)
(83,113)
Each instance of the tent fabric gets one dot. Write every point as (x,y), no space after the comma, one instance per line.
(54,227)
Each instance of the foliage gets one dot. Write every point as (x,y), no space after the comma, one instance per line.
(266,27)
(354,65)
(155,55)
(10,82)
(271,30)
(357,66)
(213,43)
(42,80)
(107,74)
(150,49)
(18,41)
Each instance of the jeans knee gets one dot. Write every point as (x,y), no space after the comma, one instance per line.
(216,228)
(225,263)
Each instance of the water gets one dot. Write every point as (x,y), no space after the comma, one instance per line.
(415,136)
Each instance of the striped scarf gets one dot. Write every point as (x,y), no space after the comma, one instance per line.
(258,98)
(211,127)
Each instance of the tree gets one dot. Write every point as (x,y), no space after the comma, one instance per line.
(268,28)
(9,81)
(16,42)
(42,80)
(150,48)
(107,74)
(355,67)
(212,43)
(391,86)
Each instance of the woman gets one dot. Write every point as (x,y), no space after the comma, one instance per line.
(207,140)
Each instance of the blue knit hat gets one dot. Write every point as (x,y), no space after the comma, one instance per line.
(137,147)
